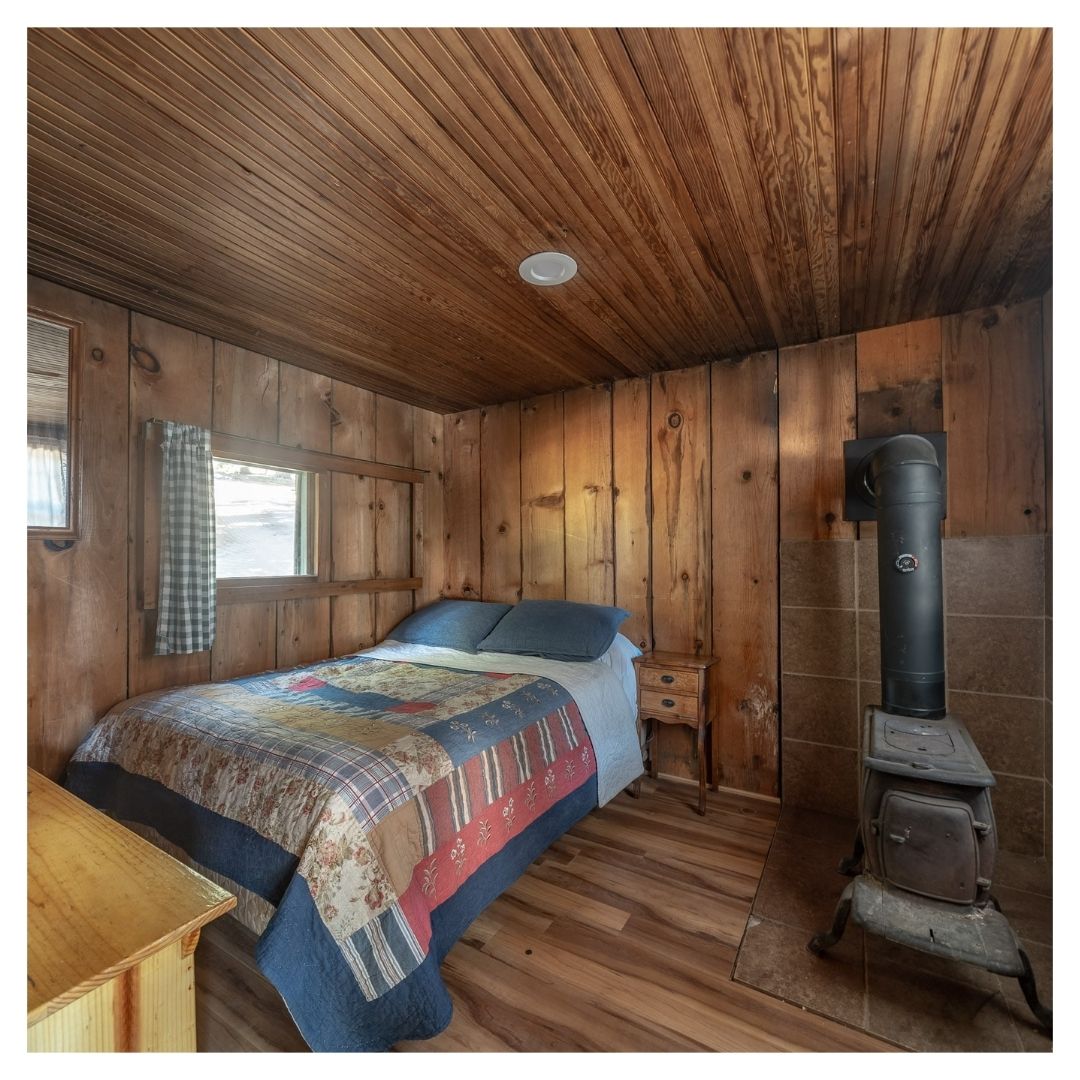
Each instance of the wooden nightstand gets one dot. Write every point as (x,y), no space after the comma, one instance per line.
(677,688)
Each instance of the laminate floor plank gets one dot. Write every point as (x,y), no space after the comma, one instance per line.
(621,936)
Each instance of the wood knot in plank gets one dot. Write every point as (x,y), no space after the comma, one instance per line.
(144,359)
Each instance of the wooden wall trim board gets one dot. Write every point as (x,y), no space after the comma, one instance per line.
(90,640)
(289,457)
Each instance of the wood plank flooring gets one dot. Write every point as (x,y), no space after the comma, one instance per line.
(620,937)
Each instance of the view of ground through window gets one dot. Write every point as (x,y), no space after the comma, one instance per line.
(256,520)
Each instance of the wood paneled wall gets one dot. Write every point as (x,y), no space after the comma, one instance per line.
(89,641)
(669,495)
(977,375)
(656,494)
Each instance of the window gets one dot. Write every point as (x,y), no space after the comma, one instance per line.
(265,520)
(50,429)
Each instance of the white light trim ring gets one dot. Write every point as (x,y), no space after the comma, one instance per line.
(547,268)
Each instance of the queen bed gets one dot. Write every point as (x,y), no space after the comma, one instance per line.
(365,809)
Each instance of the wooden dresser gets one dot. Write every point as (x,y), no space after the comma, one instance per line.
(678,688)
(113,923)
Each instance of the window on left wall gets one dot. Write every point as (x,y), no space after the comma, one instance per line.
(266,521)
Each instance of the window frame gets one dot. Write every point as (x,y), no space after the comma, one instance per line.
(308,529)
(257,452)
(70,531)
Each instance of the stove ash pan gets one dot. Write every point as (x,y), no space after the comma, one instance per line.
(926,816)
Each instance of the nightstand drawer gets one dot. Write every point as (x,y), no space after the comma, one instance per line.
(669,680)
(659,703)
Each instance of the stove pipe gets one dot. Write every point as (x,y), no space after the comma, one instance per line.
(905,478)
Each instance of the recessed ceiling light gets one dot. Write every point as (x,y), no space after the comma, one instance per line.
(547,268)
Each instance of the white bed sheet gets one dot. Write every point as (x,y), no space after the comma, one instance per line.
(598,688)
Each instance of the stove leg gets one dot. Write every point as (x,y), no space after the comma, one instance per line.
(1044,1015)
(849,867)
(821,942)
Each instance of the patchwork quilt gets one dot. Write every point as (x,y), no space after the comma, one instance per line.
(364,810)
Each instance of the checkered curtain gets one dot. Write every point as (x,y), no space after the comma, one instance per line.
(187,595)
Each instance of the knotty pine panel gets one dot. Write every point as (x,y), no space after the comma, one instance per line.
(500,502)
(245,403)
(172,378)
(630,475)
(305,414)
(993,398)
(245,640)
(352,432)
(245,393)
(899,379)
(461,499)
(681,499)
(303,631)
(816,387)
(682,525)
(428,454)
(543,500)
(77,598)
(590,560)
(745,593)
(305,403)
(394,437)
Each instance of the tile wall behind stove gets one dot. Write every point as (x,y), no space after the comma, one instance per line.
(997,634)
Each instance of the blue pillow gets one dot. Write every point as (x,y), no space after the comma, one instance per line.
(556,629)
(453,624)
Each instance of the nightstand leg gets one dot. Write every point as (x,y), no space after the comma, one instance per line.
(701,768)
(653,737)
(714,783)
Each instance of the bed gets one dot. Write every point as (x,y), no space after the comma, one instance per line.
(365,809)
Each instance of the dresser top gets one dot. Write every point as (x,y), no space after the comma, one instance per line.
(674,659)
(99,898)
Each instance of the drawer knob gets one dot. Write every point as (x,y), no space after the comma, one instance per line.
(667,678)
(668,703)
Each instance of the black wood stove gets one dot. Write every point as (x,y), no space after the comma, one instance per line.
(924,854)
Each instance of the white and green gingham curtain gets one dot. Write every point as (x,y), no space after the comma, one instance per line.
(187,595)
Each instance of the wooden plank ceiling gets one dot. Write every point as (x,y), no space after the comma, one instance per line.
(357,201)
